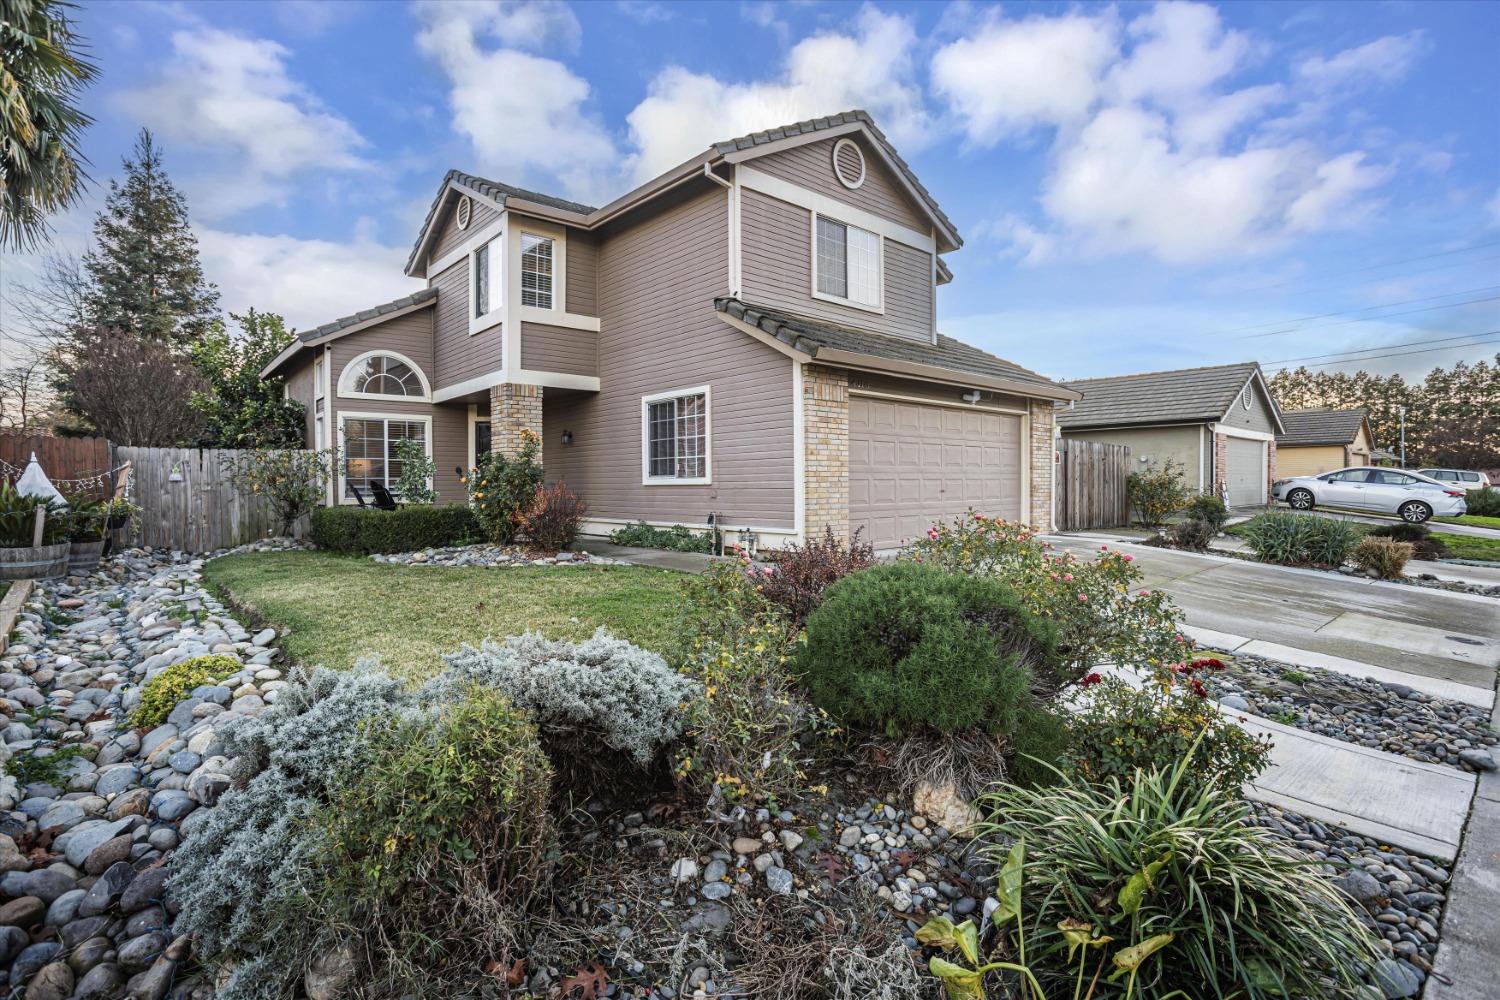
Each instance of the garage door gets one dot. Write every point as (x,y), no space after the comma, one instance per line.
(911,464)
(1245,471)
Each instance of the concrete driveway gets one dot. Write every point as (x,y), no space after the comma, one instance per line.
(1414,630)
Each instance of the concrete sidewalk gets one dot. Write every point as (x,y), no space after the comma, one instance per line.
(683,562)
(1422,632)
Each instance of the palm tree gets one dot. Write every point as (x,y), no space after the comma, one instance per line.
(42,72)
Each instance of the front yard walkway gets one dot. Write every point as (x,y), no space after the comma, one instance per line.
(341,608)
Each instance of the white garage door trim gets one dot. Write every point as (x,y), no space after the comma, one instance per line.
(914,435)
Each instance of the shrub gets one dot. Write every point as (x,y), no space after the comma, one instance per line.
(1170,892)
(746,735)
(414,484)
(601,690)
(1424,545)
(501,489)
(553,519)
(293,482)
(87,518)
(1483,503)
(18,519)
(1098,606)
(1193,535)
(46,762)
(1158,493)
(1294,539)
(171,685)
(903,647)
(1382,556)
(677,538)
(803,572)
(365,531)
(1209,509)
(1118,729)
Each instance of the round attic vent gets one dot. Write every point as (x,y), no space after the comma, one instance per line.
(848,163)
(465,211)
(1245,397)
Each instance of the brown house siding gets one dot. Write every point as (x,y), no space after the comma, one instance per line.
(559,349)
(451,236)
(582,274)
(657,280)
(299,386)
(456,355)
(409,335)
(811,166)
(776,270)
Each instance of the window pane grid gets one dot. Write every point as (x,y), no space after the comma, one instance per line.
(677,438)
(370,451)
(536,271)
(833,271)
(385,376)
(662,435)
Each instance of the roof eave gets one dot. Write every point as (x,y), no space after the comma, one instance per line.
(951,376)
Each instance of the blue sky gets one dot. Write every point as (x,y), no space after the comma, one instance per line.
(1140,186)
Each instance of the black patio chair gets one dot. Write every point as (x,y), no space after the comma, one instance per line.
(359,497)
(383,498)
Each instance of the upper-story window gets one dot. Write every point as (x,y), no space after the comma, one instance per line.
(382,374)
(536,271)
(482,280)
(846,265)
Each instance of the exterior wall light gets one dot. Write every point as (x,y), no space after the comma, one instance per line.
(567,437)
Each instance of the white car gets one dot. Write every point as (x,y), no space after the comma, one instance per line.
(1466,478)
(1406,494)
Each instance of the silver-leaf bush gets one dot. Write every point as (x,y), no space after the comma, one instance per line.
(631,696)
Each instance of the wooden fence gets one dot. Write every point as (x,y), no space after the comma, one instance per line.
(1091,491)
(187,502)
(60,457)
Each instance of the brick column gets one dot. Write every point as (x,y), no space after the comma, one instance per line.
(514,408)
(825,429)
(1221,461)
(1271,467)
(1043,445)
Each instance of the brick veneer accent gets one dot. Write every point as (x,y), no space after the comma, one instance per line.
(514,408)
(1271,468)
(1221,461)
(825,430)
(1043,445)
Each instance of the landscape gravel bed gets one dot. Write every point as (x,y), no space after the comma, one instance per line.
(1397,894)
(492,555)
(1390,717)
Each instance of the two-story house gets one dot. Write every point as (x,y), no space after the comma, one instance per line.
(751,335)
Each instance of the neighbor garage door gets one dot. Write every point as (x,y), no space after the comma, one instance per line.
(1245,471)
(911,464)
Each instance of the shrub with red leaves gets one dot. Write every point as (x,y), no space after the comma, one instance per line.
(554,516)
(803,572)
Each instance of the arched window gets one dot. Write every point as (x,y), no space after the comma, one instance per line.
(383,374)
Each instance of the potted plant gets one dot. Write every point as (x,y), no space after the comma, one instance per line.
(86,534)
(20,558)
(118,512)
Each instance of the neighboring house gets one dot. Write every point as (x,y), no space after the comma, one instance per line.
(1319,441)
(1219,423)
(751,335)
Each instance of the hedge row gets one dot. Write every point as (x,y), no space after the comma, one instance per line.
(406,529)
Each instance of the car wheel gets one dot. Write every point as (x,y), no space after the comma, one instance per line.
(1300,499)
(1415,511)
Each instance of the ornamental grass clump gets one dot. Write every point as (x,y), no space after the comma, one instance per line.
(167,687)
(1168,891)
(1293,539)
(1098,607)
(603,691)
(1382,557)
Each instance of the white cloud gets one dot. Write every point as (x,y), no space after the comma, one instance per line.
(309,282)
(869,67)
(1154,147)
(524,114)
(232,94)
(1012,75)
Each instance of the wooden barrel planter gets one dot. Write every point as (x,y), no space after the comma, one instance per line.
(83,557)
(34,562)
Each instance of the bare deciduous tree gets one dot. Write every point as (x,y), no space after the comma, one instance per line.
(135,391)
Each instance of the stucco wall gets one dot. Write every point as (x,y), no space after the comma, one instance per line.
(1150,447)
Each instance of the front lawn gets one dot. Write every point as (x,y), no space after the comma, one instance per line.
(1469,546)
(340,608)
(1474,520)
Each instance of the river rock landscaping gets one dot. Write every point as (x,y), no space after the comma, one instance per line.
(1390,717)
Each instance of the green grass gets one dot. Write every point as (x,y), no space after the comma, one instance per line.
(1470,547)
(1475,520)
(340,608)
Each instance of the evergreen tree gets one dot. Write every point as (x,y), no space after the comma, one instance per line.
(241,409)
(144,274)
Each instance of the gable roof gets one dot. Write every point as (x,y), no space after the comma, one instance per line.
(953,359)
(584,216)
(353,323)
(1320,427)
(1183,396)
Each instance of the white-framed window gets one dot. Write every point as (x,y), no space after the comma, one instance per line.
(847,264)
(382,375)
(486,283)
(318,377)
(675,433)
(536,271)
(369,449)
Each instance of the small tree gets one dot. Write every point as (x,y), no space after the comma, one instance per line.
(1158,493)
(242,409)
(292,481)
(133,391)
(501,489)
(414,485)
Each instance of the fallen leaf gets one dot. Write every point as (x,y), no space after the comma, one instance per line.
(590,982)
